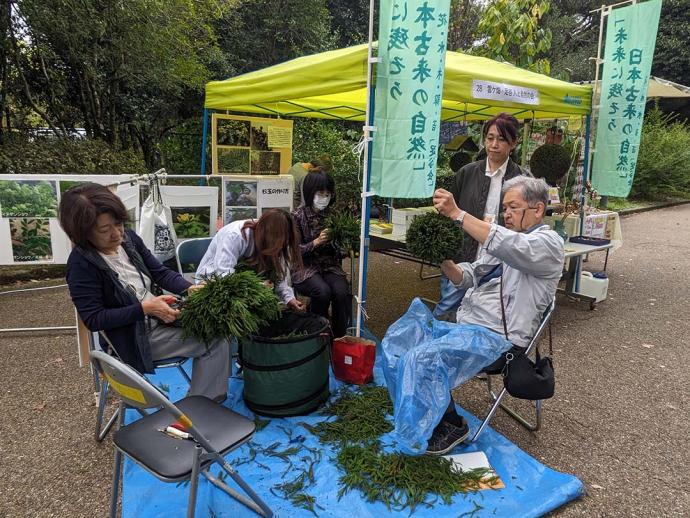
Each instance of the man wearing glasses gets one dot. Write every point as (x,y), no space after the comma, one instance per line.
(508,288)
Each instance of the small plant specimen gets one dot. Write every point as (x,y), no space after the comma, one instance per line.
(343,231)
(434,238)
(550,162)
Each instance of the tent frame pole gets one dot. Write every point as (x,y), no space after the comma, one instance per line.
(204,139)
(366,176)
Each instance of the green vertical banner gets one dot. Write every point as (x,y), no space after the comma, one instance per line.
(630,40)
(409,90)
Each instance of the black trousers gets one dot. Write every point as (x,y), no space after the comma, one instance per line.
(324,290)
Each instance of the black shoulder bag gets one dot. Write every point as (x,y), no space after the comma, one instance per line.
(523,378)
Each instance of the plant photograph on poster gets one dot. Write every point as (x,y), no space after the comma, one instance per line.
(233,161)
(191,222)
(30,239)
(233,133)
(265,162)
(259,137)
(284,209)
(28,199)
(66,185)
(240,194)
(238,213)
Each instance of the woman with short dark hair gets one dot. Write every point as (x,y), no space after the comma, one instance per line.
(477,189)
(116,285)
(270,245)
(322,279)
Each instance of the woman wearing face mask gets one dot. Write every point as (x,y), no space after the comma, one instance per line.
(322,279)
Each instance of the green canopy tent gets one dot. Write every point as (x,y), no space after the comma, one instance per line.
(335,85)
(332,85)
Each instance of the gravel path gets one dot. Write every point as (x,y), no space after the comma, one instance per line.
(620,419)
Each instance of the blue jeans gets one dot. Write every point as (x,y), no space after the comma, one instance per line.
(450,298)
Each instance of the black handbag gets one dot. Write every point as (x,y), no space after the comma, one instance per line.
(526,379)
(523,378)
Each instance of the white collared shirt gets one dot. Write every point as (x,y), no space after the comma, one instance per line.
(494,197)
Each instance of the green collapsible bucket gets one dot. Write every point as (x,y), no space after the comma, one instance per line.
(285,365)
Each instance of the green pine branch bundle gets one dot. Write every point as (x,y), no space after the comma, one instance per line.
(434,238)
(229,306)
(343,231)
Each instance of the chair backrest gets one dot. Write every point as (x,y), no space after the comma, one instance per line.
(133,388)
(189,255)
(543,323)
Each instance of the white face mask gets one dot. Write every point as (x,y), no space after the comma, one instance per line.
(321,202)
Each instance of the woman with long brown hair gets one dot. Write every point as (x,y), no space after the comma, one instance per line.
(270,245)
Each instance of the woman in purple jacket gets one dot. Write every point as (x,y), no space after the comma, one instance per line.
(116,285)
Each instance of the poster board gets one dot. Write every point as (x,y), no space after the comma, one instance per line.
(250,145)
(194,210)
(248,196)
(29,229)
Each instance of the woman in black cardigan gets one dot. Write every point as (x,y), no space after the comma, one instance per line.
(116,285)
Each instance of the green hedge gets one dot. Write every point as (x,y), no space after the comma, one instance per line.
(312,138)
(19,155)
(663,164)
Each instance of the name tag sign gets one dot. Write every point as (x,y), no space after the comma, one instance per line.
(504,92)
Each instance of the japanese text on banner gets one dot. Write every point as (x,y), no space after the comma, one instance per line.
(630,40)
(409,90)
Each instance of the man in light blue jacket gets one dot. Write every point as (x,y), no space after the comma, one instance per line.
(508,288)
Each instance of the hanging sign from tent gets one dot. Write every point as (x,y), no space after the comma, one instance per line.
(630,39)
(409,88)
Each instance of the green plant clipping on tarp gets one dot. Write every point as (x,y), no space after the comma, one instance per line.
(630,40)
(409,91)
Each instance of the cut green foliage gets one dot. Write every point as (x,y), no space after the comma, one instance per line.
(401,481)
(229,306)
(550,162)
(360,417)
(434,238)
(343,231)
(397,480)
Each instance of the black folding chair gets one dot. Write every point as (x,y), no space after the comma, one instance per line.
(213,429)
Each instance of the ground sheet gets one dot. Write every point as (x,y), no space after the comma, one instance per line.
(532,489)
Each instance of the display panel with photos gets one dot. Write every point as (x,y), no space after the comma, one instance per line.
(250,145)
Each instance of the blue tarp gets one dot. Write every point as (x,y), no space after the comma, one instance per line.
(532,489)
(423,359)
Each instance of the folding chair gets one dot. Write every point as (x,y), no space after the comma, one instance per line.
(189,254)
(214,431)
(102,387)
(498,398)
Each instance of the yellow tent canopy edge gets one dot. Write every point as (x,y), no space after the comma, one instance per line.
(332,85)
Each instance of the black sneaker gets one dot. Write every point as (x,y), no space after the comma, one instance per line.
(447,436)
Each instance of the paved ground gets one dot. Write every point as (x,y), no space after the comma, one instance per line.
(620,419)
